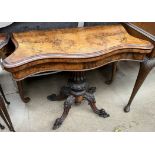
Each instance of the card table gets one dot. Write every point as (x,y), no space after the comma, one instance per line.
(76,50)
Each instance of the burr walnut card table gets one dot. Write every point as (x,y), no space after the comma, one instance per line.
(76,50)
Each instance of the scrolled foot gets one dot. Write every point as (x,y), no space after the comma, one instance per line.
(2,127)
(64,93)
(54,97)
(58,123)
(126,108)
(91,101)
(21,92)
(26,99)
(67,106)
(103,113)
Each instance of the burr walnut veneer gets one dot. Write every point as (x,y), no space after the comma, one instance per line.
(76,50)
(72,49)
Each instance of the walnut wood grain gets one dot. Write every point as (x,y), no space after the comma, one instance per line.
(75,49)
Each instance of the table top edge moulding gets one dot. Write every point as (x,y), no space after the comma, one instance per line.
(70,49)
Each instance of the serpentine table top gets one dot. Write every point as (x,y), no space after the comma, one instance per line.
(76,50)
(72,49)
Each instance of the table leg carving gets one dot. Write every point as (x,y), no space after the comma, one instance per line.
(1,90)
(77,90)
(5,116)
(92,102)
(114,68)
(145,67)
(64,93)
(21,92)
(67,106)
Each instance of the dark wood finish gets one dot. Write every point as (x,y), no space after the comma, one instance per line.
(3,111)
(4,39)
(6,48)
(144,30)
(2,127)
(5,116)
(3,95)
(114,68)
(76,50)
(145,67)
(77,90)
(21,92)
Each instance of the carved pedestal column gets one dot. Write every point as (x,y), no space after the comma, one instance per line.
(76,90)
(145,67)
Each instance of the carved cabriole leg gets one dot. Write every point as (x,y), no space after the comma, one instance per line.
(114,68)
(78,90)
(64,92)
(145,68)
(21,92)
(5,116)
(1,90)
(67,106)
(92,102)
